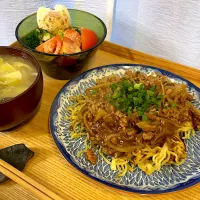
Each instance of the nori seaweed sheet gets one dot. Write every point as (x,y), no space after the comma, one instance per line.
(17,156)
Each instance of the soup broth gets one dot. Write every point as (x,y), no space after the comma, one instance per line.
(16,76)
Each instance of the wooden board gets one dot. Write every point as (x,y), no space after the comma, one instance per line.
(50,168)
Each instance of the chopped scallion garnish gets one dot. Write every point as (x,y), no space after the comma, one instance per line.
(94,92)
(144,118)
(173,105)
(127,96)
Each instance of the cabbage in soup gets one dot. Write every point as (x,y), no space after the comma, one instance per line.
(16,76)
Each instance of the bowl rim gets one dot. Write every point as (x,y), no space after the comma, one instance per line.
(66,55)
(37,66)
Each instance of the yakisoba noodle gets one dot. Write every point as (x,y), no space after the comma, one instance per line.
(134,120)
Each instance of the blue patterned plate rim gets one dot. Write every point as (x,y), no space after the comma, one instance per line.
(67,156)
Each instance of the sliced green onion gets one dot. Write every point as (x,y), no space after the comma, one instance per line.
(152,88)
(136,102)
(144,118)
(113,87)
(173,105)
(129,112)
(140,113)
(120,100)
(158,104)
(145,106)
(140,95)
(117,105)
(126,83)
(130,96)
(147,97)
(137,86)
(123,108)
(116,94)
(159,96)
(142,87)
(140,100)
(130,89)
(150,93)
(94,91)
(127,96)
(143,93)
(154,100)
(130,108)
(139,109)
(134,94)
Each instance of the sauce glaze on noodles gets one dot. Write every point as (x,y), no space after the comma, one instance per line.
(129,139)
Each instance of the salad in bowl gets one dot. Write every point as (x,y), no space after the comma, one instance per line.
(55,35)
(63,40)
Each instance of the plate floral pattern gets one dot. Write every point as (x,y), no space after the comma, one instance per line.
(169,178)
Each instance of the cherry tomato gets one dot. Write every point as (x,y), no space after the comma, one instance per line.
(69,46)
(88,38)
(73,35)
(51,46)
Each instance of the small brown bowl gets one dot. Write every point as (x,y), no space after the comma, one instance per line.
(19,109)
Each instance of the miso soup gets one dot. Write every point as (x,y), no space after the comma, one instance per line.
(16,76)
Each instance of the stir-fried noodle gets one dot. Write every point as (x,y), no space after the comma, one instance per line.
(137,119)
